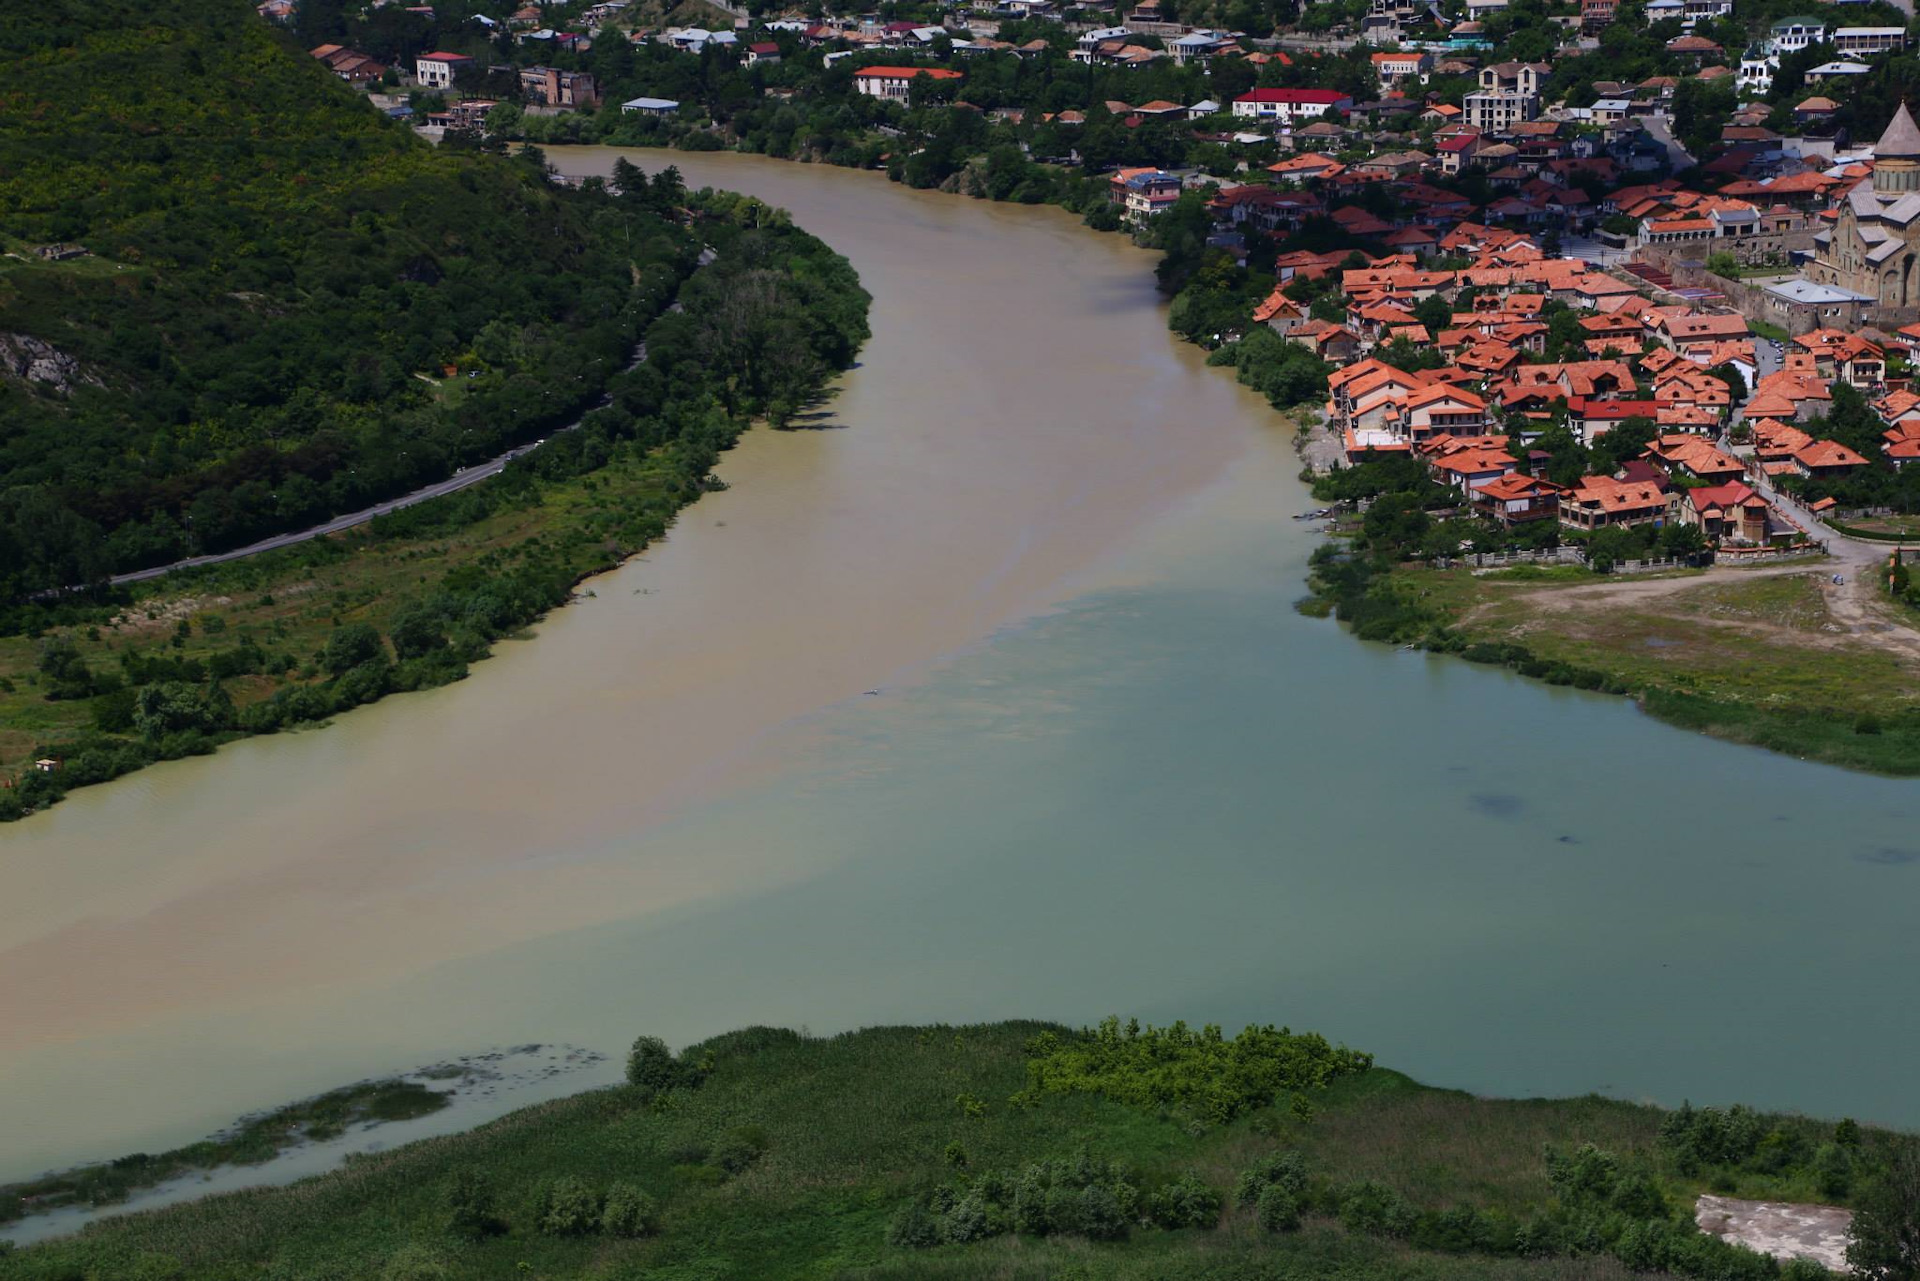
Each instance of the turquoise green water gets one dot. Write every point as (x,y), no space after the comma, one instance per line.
(1185,801)
(1168,795)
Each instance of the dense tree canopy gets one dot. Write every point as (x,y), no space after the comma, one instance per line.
(279,280)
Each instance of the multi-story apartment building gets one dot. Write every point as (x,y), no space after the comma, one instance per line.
(1856,42)
(1509,93)
(549,86)
(436,70)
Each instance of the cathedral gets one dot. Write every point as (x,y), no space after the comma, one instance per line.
(1874,246)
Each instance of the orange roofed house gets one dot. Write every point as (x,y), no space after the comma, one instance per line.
(894,83)
(1468,463)
(1693,458)
(1730,511)
(1515,499)
(1599,501)
(1826,459)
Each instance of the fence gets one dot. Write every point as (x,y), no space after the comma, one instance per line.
(1497,560)
(1768,555)
(1570,555)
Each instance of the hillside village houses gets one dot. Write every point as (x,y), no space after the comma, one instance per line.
(1532,337)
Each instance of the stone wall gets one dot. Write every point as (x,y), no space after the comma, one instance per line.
(1750,250)
(1756,303)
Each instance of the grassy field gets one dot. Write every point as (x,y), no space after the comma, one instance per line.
(796,1157)
(1758,660)
(1887,527)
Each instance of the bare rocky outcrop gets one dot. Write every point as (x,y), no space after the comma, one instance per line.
(1785,1231)
(34,360)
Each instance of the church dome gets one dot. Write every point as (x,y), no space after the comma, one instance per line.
(1901,141)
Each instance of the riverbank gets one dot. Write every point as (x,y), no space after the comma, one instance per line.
(1020,1150)
(1835,686)
(289,638)
(262,921)
(1773,656)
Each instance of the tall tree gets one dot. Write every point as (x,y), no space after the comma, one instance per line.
(1884,1242)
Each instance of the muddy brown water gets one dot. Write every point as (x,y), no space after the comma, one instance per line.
(1105,768)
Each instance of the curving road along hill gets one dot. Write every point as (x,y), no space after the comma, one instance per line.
(467,476)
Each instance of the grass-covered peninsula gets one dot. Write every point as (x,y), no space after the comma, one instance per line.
(1022,1150)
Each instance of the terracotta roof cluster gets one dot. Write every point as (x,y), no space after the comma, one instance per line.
(1693,455)
(1617,498)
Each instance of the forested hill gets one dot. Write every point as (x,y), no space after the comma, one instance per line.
(279,280)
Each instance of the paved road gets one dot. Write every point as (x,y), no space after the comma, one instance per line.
(451,485)
(1677,156)
(466,477)
(1591,250)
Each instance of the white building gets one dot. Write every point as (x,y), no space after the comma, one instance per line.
(1841,70)
(1290,105)
(436,70)
(1865,42)
(1509,93)
(694,39)
(1698,11)
(1790,35)
(894,83)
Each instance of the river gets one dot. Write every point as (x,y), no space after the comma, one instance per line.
(985,698)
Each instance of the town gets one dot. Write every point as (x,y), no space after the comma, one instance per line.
(1169,522)
(1490,264)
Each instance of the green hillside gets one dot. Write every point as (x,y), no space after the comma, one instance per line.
(1016,1151)
(278,278)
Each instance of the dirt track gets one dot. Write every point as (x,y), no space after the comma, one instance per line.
(1855,607)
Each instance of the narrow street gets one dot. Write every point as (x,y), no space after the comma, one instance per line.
(1660,130)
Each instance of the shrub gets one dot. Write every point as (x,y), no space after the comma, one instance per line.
(1588,1175)
(1833,1170)
(1375,1209)
(650,1063)
(1184,1203)
(629,1212)
(350,645)
(1639,1197)
(1101,1215)
(470,1212)
(1277,1209)
(969,1219)
(566,1207)
(1030,1203)
(1285,1170)
(1201,1071)
(914,1229)
(739,1148)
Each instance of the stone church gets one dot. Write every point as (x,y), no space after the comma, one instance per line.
(1874,247)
